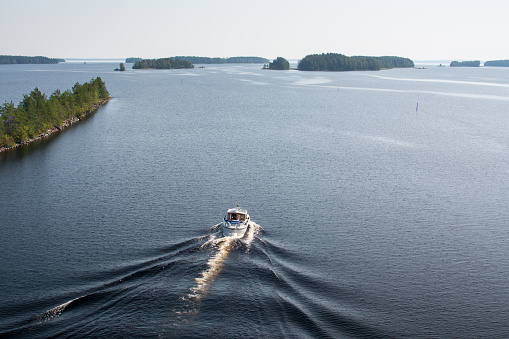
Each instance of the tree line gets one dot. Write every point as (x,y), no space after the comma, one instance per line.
(203,60)
(246,60)
(13,59)
(37,113)
(476,63)
(395,62)
(132,60)
(230,60)
(164,63)
(340,62)
(279,63)
(499,63)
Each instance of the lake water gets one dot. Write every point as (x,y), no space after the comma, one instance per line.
(379,203)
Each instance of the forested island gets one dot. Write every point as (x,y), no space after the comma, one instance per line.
(122,67)
(279,63)
(497,63)
(38,116)
(164,63)
(132,60)
(13,59)
(476,63)
(230,60)
(339,62)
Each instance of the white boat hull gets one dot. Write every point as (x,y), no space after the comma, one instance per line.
(234,230)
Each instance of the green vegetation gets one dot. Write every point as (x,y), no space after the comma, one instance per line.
(132,60)
(11,59)
(340,62)
(202,60)
(246,60)
(465,63)
(178,61)
(279,64)
(36,114)
(395,62)
(122,67)
(164,63)
(499,63)
(231,60)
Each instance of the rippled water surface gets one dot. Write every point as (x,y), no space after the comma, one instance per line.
(379,203)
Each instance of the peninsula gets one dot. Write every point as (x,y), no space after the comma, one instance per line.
(338,62)
(13,59)
(38,116)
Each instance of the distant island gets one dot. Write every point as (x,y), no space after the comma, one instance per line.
(339,62)
(201,60)
(38,116)
(122,67)
(132,60)
(164,63)
(497,63)
(279,63)
(13,59)
(476,63)
(230,60)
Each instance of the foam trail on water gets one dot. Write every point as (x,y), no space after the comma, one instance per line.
(251,233)
(204,282)
(54,312)
(215,265)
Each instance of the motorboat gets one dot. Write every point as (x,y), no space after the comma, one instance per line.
(235,222)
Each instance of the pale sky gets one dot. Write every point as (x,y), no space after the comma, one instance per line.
(420,30)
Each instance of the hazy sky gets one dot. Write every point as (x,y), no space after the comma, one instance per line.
(431,29)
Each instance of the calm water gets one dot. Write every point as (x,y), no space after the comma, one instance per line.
(371,218)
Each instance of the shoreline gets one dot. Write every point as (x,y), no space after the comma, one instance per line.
(65,124)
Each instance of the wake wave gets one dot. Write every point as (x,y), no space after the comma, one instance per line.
(215,264)
(128,277)
(251,233)
(54,312)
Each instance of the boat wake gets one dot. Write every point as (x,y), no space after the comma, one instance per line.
(215,264)
(214,267)
(54,312)
(185,288)
(252,233)
(125,286)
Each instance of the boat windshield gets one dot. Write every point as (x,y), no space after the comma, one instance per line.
(236,216)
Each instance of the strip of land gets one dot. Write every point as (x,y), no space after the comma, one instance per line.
(19,59)
(37,116)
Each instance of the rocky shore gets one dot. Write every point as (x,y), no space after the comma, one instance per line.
(64,125)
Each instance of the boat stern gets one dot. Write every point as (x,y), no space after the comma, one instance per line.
(235,230)
(234,233)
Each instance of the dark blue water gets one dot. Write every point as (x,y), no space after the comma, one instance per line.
(372,217)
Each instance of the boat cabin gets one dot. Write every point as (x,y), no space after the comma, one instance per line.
(236,215)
